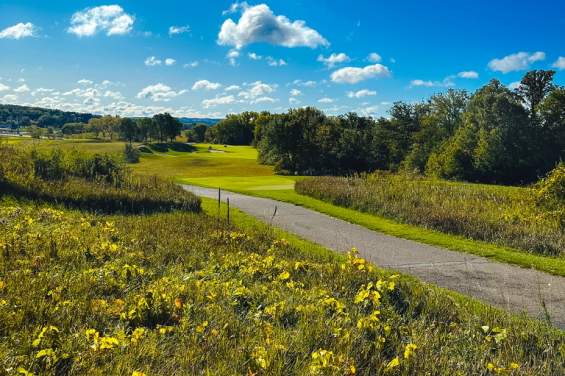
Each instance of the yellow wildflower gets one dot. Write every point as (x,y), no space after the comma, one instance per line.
(395,362)
(409,350)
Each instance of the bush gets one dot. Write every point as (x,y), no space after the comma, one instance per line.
(97,182)
(131,154)
(500,215)
(550,194)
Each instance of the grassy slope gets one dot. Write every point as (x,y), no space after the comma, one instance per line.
(235,168)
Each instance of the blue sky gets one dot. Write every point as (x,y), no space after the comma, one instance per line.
(195,58)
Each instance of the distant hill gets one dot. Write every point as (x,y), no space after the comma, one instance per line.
(14,116)
(207,121)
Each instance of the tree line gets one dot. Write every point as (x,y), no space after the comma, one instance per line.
(14,116)
(494,135)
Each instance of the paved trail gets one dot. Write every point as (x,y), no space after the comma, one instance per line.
(509,287)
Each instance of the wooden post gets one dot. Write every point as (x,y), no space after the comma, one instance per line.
(228,202)
(219,202)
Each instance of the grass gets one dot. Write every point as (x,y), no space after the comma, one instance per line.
(183,293)
(236,169)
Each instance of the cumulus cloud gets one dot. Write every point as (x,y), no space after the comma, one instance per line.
(325,100)
(4,87)
(232,88)
(295,92)
(293,100)
(85,82)
(18,31)
(254,56)
(263,100)
(175,30)
(170,61)
(516,62)
(228,99)
(232,56)
(361,93)
(106,18)
(257,89)
(334,59)
(9,98)
(151,61)
(353,75)
(206,85)
(22,89)
(468,74)
(159,93)
(559,63)
(259,24)
(374,57)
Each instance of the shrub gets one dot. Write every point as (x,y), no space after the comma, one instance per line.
(131,154)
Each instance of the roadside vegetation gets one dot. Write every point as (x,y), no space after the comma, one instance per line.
(506,216)
(182,292)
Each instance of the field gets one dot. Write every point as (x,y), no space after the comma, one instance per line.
(177,292)
(235,168)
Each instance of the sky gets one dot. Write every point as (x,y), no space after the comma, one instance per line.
(211,58)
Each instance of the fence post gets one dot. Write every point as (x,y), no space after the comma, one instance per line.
(219,202)
(228,202)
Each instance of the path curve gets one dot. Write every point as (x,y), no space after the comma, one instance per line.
(509,287)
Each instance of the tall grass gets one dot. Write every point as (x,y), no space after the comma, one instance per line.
(501,215)
(176,293)
(97,182)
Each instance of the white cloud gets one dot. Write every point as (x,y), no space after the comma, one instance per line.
(257,89)
(116,95)
(334,59)
(353,75)
(325,100)
(361,93)
(109,18)
(170,61)
(228,99)
(232,88)
(192,64)
(175,30)
(9,98)
(295,92)
(159,93)
(18,31)
(206,85)
(85,82)
(259,24)
(305,83)
(559,63)
(151,61)
(254,56)
(40,91)
(263,100)
(275,63)
(472,75)
(4,87)
(374,57)
(232,56)
(447,82)
(293,100)
(22,89)
(514,85)
(516,62)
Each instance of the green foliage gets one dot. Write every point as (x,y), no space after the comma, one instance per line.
(89,181)
(197,133)
(179,293)
(502,216)
(131,154)
(550,194)
(24,116)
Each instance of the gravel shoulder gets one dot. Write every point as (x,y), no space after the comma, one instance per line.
(505,286)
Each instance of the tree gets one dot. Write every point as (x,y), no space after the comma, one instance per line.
(552,115)
(168,127)
(197,133)
(535,85)
(144,127)
(128,129)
